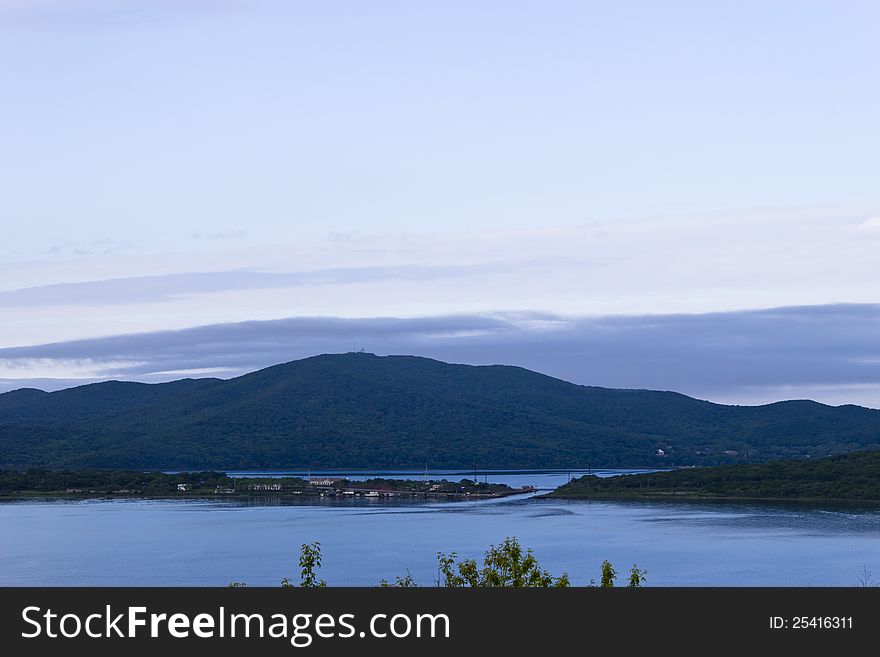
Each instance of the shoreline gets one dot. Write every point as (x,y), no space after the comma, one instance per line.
(692,497)
(51,496)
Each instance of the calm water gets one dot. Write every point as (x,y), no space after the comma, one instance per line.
(544,480)
(137,542)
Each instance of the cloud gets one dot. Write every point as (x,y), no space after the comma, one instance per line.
(104,246)
(735,356)
(699,264)
(143,289)
(873,223)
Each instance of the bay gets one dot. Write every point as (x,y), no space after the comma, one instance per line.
(208,542)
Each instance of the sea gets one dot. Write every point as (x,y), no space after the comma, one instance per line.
(185,542)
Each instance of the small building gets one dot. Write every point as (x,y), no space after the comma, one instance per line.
(661,452)
(265,487)
(326,481)
(183,487)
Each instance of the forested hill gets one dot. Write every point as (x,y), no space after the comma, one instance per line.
(358,410)
(850,477)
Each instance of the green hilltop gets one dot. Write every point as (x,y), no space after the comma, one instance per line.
(845,477)
(359,410)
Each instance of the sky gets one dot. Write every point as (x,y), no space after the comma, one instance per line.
(677,195)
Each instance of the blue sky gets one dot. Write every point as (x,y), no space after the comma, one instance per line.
(175,164)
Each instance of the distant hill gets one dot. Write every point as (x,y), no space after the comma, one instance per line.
(846,477)
(358,410)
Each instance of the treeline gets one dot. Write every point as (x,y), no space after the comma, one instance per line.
(40,480)
(507,565)
(850,477)
(36,482)
(439,486)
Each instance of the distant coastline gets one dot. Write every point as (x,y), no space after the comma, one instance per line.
(853,477)
(40,484)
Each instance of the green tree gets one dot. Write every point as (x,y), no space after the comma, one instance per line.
(637,577)
(309,562)
(400,582)
(505,565)
(608,575)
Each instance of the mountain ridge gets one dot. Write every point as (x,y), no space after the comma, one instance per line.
(362,410)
